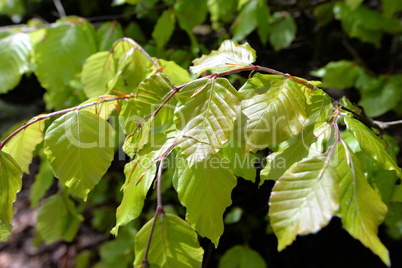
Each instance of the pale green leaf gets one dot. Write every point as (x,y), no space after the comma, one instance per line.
(274,109)
(177,74)
(140,174)
(361,208)
(283,32)
(10,185)
(164,28)
(15,54)
(5,231)
(229,56)
(108,33)
(22,146)
(58,219)
(233,216)
(241,257)
(102,109)
(43,180)
(70,43)
(205,190)
(174,244)
(98,70)
(319,106)
(79,147)
(371,144)
(246,21)
(308,143)
(303,200)
(205,117)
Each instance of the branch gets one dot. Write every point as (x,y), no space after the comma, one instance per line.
(42,117)
(59,8)
(387,124)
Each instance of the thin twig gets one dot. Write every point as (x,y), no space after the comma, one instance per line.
(60,8)
(387,124)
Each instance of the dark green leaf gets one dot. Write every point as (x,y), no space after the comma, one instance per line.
(331,73)
(190,13)
(283,32)
(246,21)
(108,33)
(164,28)
(263,20)
(43,181)
(241,257)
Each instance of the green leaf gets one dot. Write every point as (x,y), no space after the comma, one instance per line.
(140,174)
(283,32)
(177,74)
(303,200)
(190,13)
(79,147)
(333,71)
(22,146)
(5,231)
(221,11)
(108,33)
(102,109)
(246,21)
(229,56)
(164,28)
(10,185)
(205,189)
(205,117)
(353,4)
(323,13)
(390,7)
(69,42)
(174,244)
(43,180)
(15,54)
(233,216)
(275,110)
(263,20)
(241,257)
(58,219)
(99,69)
(319,106)
(308,143)
(361,209)
(371,144)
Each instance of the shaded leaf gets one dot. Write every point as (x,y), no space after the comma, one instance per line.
(5,231)
(58,219)
(43,180)
(164,28)
(274,109)
(98,70)
(361,209)
(205,190)
(10,185)
(283,32)
(246,21)
(71,142)
(229,56)
(174,244)
(263,21)
(22,146)
(241,257)
(303,200)
(15,54)
(221,11)
(205,117)
(190,13)
(108,33)
(371,144)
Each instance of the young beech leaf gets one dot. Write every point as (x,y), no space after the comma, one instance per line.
(241,257)
(371,144)
(361,208)
(79,147)
(15,53)
(10,185)
(140,174)
(174,244)
(303,200)
(229,56)
(22,146)
(5,230)
(98,70)
(58,219)
(246,21)
(283,32)
(205,119)
(308,143)
(274,109)
(205,189)
(108,33)
(164,28)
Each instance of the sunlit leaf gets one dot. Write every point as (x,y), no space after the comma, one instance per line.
(58,219)
(205,189)
(371,144)
(303,200)
(361,209)
(274,109)
(79,147)
(206,117)
(98,70)
(101,109)
(22,146)
(229,56)
(241,257)
(174,244)
(10,185)
(177,74)
(15,54)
